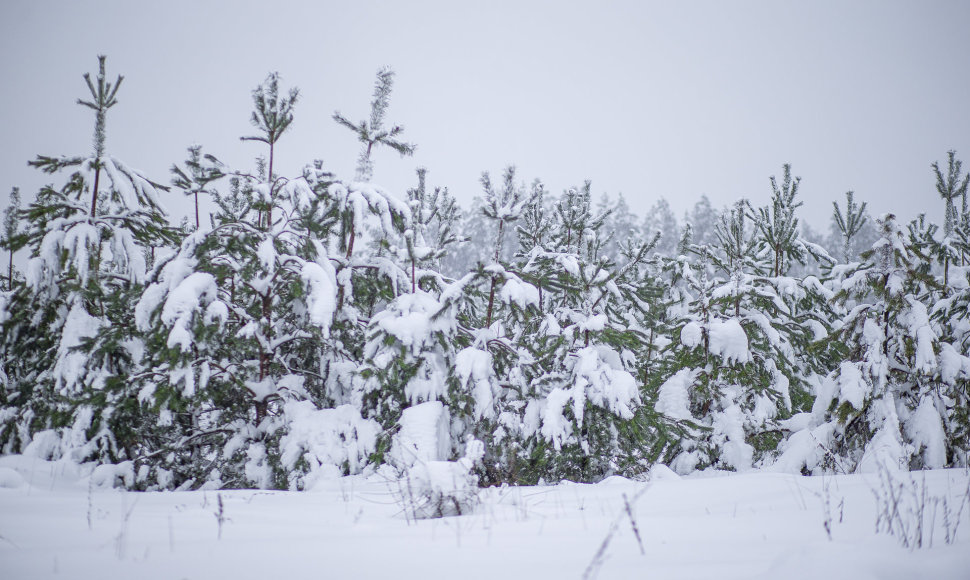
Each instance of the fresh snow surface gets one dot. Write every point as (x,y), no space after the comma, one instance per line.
(56,523)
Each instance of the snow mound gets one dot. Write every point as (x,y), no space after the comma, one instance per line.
(661,472)
(673,399)
(423,437)
(434,489)
(729,341)
(332,442)
(10,479)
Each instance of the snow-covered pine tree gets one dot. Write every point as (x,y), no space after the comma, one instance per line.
(880,404)
(200,171)
(241,321)
(660,218)
(573,409)
(69,327)
(372,132)
(950,188)
(11,228)
(703,378)
(848,224)
(479,242)
(778,227)
(939,425)
(271,117)
(434,231)
(948,305)
(412,341)
(740,352)
(490,303)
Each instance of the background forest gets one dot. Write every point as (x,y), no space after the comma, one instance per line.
(317,325)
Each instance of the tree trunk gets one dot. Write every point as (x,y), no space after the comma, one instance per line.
(491,301)
(491,292)
(94,192)
(350,244)
(269,210)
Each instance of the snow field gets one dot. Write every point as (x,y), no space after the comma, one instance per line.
(55,524)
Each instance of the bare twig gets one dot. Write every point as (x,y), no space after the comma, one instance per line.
(220,514)
(633,524)
(600,556)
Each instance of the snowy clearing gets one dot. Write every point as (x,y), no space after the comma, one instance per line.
(55,523)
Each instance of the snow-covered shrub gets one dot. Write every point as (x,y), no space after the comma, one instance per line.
(409,352)
(324,443)
(434,489)
(424,434)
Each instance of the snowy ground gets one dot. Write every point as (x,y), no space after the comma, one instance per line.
(55,524)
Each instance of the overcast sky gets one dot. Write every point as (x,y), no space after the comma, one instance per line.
(673,99)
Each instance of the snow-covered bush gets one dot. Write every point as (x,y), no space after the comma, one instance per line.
(324,443)
(434,489)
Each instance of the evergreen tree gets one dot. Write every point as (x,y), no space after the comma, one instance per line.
(660,218)
(945,384)
(435,223)
(503,208)
(880,404)
(848,223)
(411,344)
(950,188)
(778,227)
(271,117)
(571,408)
(264,319)
(739,359)
(69,327)
(372,132)
(236,319)
(11,227)
(702,219)
(200,171)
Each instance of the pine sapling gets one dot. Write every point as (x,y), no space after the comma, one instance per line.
(849,223)
(373,132)
(11,226)
(102,99)
(200,170)
(272,116)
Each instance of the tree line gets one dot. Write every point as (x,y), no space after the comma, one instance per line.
(310,324)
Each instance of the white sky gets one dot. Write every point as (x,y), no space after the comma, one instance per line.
(673,99)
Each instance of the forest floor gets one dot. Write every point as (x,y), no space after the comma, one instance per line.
(54,523)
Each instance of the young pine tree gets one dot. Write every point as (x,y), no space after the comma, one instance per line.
(372,132)
(950,188)
(848,223)
(272,116)
(69,327)
(881,405)
(200,171)
(11,227)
